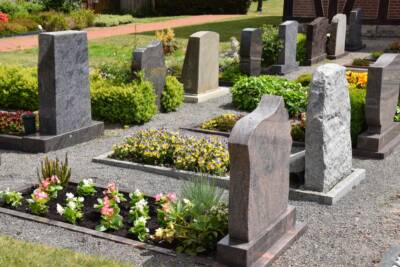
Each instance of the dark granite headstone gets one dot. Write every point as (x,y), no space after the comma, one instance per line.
(383,135)
(354,36)
(150,60)
(251,51)
(317,32)
(287,58)
(261,224)
(64,97)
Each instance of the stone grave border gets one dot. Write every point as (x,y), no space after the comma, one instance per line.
(297,165)
(390,257)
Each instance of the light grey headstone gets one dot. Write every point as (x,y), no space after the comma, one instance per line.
(150,60)
(337,40)
(287,58)
(201,67)
(251,51)
(328,140)
(354,36)
(64,97)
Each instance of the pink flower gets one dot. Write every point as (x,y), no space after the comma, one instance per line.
(171,197)
(107,211)
(111,188)
(165,207)
(39,194)
(158,197)
(54,179)
(45,184)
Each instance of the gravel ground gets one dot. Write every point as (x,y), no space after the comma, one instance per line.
(355,232)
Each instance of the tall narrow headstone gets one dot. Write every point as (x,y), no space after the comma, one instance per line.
(328,139)
(150,60)
(354,36)
(200,71)
(261,223)
(287,58)
(383,135)
(251,51)
(337,39)
(64,97)
(317,32)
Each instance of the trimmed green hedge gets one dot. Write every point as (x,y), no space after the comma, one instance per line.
(173,95)
(196,7)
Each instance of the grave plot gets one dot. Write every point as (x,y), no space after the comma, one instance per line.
(64,100)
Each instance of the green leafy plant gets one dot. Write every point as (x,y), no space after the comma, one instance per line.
(164,148)
(301,51)
(357,101)
(247,93)
(73,211)
(139,215)
(106,20)
(173,95)
(86,187)
(49,168)
(168,40)
(37,204)
(397,116)
(62,5)
(304,79)
(11,198)
(53,21)
(230,70)
(222,123)
(376,54)
(82,18)
(360,62)
(272,45)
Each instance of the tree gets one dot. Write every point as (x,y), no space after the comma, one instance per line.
(259,5)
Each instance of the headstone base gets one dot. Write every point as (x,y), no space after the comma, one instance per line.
(337,56)
(315,60)
(44,143)
(282,69)
(199,98)
(264,250)
(378,146)
(352,48)
(334,195)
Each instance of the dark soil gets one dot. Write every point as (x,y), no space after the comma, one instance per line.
(92,217)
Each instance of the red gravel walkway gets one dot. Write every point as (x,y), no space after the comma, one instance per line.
(24,42)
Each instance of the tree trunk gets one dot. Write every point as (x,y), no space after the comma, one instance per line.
(259,6)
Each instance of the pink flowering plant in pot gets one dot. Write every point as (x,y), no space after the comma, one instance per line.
(73,211)
(109,209)
(38,201)
(139,215)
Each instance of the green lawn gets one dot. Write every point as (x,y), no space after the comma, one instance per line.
(119,48)
(22,254)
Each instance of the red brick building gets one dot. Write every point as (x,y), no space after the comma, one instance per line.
(375,11)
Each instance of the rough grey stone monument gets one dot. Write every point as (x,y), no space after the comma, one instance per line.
(251,51)
(287,58)
(150,60)
(337,40)
(354,37)
(328,139)
(201,68)
(317,32)
(383,135)
(261,224)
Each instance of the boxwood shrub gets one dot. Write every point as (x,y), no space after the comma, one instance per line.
(196,7)
(173,95)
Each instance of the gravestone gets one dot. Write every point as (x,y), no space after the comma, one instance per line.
(354,36)
(382,135)
(328,139)
(150,60)
(337,40)
(287,58)
(317,32)
(261,223)
(200,71)
(251,51)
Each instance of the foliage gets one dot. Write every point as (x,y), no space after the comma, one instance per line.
(11,198)
(272,45)
(301,51)
(38,202)
(360,62)
(53,21)
(51,186)
(168,40)
(133,102)
(82,18)
(62,5)
(73,211)
(230,69)
(357,79)
(106,20)
(86,187)
(173,94)
(164,148)
(304,79)
(196,7)
(196,222)
(18,88)
(298,130)
(50,168)
(11,122)
(117,73)
(357,102)
(397,116)
(222,123)
(139,214)
(19,8)
(247,93)
(376,54)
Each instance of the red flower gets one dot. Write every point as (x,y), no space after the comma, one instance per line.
(3,17)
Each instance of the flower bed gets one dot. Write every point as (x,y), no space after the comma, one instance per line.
(11,122)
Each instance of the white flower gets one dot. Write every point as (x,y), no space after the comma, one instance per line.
(71,205)
(69,196)
(60,209)
(81,199)
(137,193)
(141,220)
(87,181)
(187,201)
(141,204)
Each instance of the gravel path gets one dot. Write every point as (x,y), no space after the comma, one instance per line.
(355,232)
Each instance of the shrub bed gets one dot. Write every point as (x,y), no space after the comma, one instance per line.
(196,7)
(164,148)
(106,20)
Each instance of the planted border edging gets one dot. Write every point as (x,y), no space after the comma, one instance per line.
(334,195)
(296,166)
